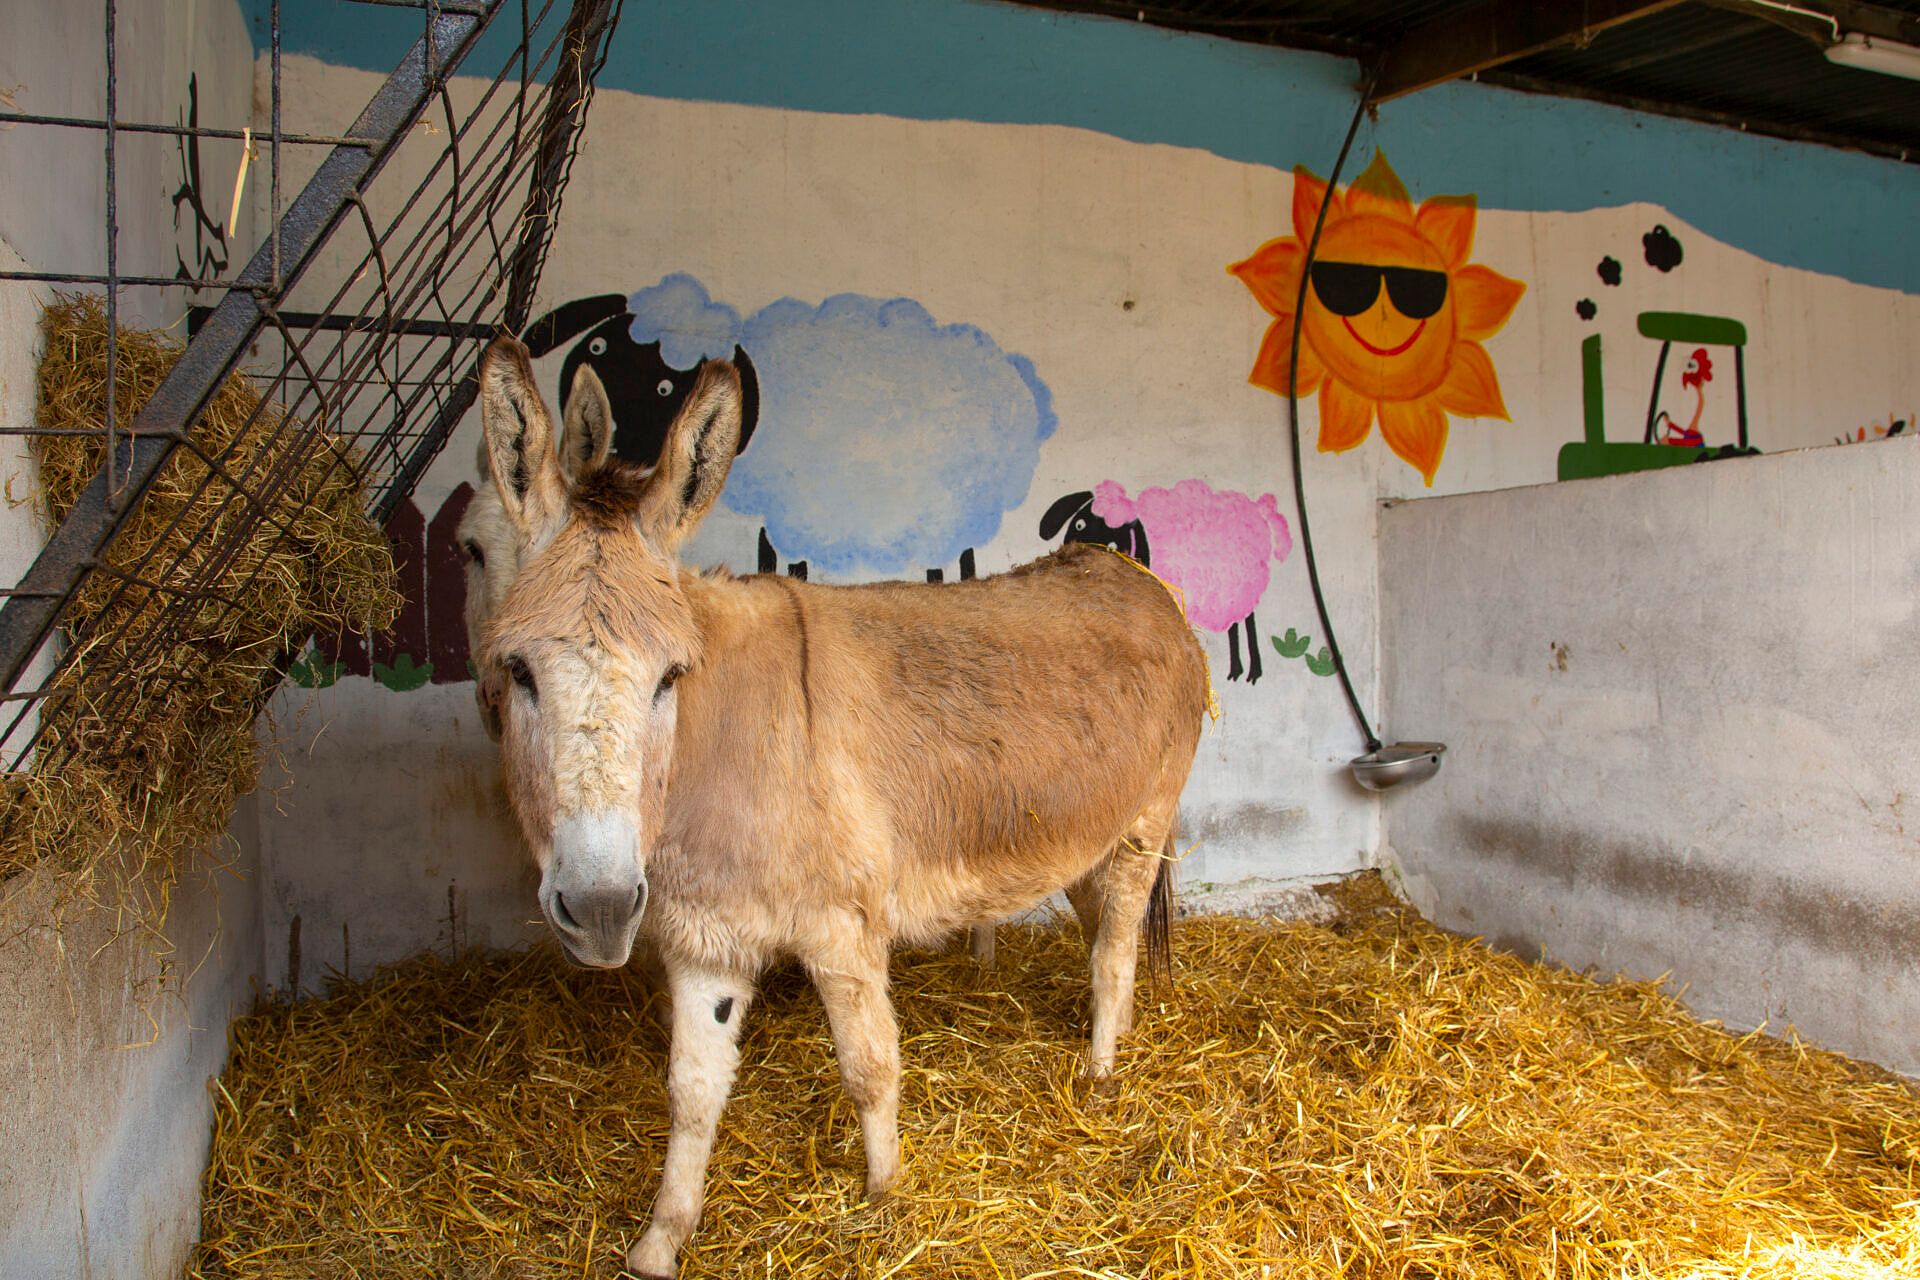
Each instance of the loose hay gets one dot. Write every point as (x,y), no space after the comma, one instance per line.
(1375,1098)
(129,787)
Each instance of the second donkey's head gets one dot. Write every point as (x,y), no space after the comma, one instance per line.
(588,643)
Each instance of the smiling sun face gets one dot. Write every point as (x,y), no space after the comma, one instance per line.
(1394,317)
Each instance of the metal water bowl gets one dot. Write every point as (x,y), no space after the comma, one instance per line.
(1397,763)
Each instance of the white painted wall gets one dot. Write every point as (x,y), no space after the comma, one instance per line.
(1681,714)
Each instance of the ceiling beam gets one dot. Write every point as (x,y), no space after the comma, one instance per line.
(1489,34)
(1824,20)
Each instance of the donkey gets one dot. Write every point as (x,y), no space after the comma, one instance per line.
(487,538)
(758,768)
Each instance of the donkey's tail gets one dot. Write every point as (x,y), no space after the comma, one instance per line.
(1159,922)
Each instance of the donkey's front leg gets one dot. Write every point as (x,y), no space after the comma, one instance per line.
(853,987)
(708,1009)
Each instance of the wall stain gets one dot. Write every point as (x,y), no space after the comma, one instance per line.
(1242,822)
(1865,930)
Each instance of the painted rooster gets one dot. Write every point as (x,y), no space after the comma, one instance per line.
(1699,373)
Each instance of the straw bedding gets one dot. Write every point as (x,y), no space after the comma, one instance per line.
(131,787)
(1372,1098)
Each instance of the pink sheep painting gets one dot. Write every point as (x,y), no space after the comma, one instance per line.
(1215,545)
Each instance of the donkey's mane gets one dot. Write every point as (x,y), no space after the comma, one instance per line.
(609,495)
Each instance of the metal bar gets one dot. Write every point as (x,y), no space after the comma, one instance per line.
(587,26)
(100,278)
(474,9)
(572,88)
(329,323)
(1465,41)
(113,257)
(26,621)
(274,210)
(511,168)
(415,465)
(177,130)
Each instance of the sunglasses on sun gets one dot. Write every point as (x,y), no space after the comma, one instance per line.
(1348,288)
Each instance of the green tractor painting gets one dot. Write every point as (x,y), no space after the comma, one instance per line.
(1665,442)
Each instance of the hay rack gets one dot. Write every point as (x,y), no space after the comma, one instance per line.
(419,233)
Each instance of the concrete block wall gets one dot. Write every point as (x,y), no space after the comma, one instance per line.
(1683,720)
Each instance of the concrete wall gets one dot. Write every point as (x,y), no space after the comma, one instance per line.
(1683,721)
(105,1073)
(111,1039)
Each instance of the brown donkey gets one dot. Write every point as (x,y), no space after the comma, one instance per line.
(758,768)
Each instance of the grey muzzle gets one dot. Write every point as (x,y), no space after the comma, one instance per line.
(594,892)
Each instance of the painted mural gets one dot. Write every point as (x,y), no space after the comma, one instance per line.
(1886,429)
(1395,314)
(643,389)
(427,643)
(1674,430)
(1212,546)
(842,501)
(207,258)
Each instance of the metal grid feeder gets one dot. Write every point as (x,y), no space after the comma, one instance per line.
(359,319)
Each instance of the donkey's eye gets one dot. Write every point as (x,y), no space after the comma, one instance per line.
(674,672)
(522,675)
(664,387)
(475,554)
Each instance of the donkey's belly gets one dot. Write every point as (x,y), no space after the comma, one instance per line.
(935,896)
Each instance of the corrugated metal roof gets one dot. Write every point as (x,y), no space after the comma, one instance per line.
(1743,65)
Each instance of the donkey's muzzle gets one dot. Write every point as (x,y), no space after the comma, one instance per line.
(594,892)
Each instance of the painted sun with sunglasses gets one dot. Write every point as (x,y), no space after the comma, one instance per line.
(1395,314)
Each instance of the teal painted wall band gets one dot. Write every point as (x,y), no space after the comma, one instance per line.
(1797,204)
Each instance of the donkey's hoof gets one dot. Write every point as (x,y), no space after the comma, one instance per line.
(645,1263)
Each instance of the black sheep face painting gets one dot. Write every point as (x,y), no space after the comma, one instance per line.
(643,389)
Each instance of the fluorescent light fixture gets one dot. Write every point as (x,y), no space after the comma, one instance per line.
(1889,57)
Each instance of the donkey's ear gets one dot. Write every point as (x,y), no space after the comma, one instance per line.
(586,431)
(519,435)
(695,458)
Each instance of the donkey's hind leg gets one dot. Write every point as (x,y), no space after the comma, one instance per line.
(853,986)
(1128,880)
(1085,895)
(981,940)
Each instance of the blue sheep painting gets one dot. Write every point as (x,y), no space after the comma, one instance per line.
(881,441)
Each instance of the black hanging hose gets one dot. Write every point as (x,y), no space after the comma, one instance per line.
(1293,422)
